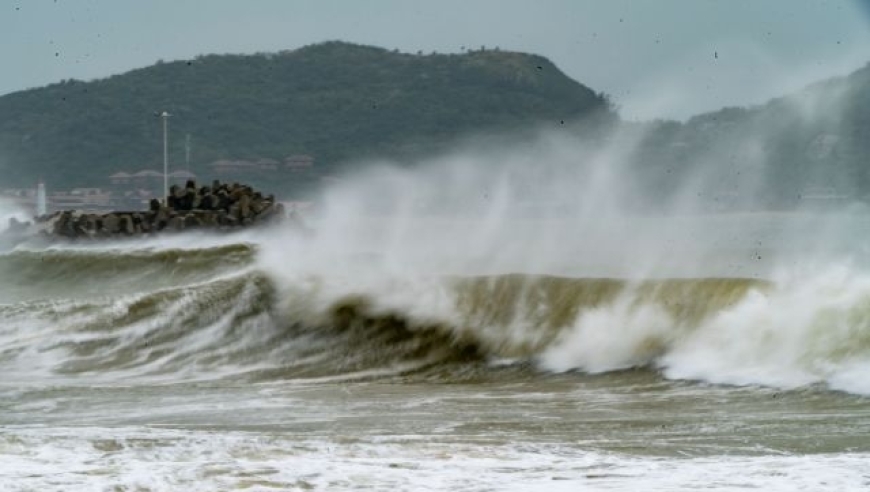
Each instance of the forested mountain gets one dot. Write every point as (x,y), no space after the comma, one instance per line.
(812,145)
(335,101)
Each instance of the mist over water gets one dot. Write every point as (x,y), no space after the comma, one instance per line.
(554,205)
(10,211)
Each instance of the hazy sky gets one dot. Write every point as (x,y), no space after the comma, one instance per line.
(656,58)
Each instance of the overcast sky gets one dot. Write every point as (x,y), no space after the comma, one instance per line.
(656,58)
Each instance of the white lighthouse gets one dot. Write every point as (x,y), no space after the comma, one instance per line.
(41,204)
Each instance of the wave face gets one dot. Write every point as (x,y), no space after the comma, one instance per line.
(270,310)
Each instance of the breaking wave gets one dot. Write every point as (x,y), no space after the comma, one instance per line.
(174,314)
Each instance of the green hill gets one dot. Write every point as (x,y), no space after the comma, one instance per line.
(336,102)
(810,146)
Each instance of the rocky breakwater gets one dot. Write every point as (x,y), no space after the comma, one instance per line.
(219,207)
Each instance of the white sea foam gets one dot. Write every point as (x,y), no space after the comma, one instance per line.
(84,458)
(812,328)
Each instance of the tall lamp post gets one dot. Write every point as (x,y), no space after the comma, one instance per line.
(165,116)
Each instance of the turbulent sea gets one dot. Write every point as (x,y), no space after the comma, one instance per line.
(441,355)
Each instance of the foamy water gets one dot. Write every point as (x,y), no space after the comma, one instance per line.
(148,459)
(617,432)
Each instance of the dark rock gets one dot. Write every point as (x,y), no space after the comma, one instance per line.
(219,207)
(176,223)
(210,202)
(245,206)
(111,223)
(191,221)
(125,225)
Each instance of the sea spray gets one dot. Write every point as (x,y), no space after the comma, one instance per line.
(798,326)
(812,328)
(9,211)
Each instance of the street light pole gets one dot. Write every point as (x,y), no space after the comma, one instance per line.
(165,115)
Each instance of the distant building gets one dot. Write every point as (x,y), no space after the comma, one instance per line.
(226,167)
(19,193)
(298,162)
(23,198)
(241,169)
(146,178)
(120,178)
(267,164)
(181,177)
(132,190)
(81,199)
(823,196)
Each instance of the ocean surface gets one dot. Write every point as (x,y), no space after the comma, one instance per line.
(702,353)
